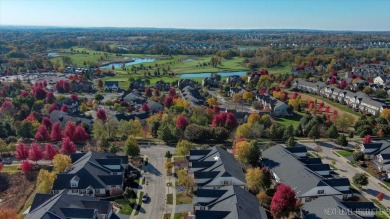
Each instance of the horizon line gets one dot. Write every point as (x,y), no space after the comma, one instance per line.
(181,28)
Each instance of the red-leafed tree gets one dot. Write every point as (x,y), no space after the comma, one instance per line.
(24,93)
(172,92)
(49,152)
(156,92)
(334,73)
(62,86)
(39,92)
(42,134)
(294,95)
(35,153)
(53,107)
(47,123)
(216,109)
(67,146)
(231,122)
(343,84)
(64,108)
(50,97)
(181,122)
(148,92)
(101,114)
(145,107)
(333,80)
(26,167)
(70,130)
(21,152)
(74,97)
(168,101)
(263,90)
(44,83)
(283,202)
(1,166)
(379,196)
(80,134)
(335,112)
(7,107)
(327,109)
(367,139)
(100,83)
(56,132)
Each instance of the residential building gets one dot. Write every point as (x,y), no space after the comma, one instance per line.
(276,107)
(64,206)
(62,118)
(92,174)
(228,202)
(111,86)
(192,95)
(215,167)
(73,106)
(330,207)
(137,85)
(308,180)
(162,86)
(234,81)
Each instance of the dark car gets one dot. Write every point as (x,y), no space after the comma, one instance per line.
(145,198)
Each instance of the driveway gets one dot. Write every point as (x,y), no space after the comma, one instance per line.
(155,176)
(345,169)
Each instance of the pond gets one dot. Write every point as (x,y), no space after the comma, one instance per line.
(205,75)
(134,62)
(53,54)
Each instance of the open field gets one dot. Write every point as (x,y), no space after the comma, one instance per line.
(182,198)
(10,169)
(294,120)
(345,153)
(284,68)
(339,107)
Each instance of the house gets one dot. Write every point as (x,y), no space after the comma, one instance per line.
(374,148)
(192,95)
(308,180)
(134,98)
(73,106)
(82,86)
(382,161)
(154,106)
(92,174)
(234,81)
(276,107)
(137,85)
(64,206)
(212,82)
(185,82)
(236,90)
(111,86)
(162,86)
(307,86)
(330,207)
(62,118)
(231,202)
(215,167)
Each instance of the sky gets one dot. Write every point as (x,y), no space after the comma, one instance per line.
(366,15)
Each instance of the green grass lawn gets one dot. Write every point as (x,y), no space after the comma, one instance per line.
(170,199)
(284,68)
(127,207)
(182,198)
(181,215)
(380,215)
(345,153)
(294,120)
(341,107)
(10,169)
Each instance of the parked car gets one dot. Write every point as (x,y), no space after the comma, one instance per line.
(6,160)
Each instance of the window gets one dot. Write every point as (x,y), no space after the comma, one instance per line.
(74,190)
(202,208)
(97,191)
(320,192)
(73,184)
(226,182)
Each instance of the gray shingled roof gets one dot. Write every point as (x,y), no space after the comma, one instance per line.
(290,170)
(316,209)
(63,205)
(236,202)
(225,164)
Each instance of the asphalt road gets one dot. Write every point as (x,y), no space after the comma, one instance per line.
(347,170)
(155,188)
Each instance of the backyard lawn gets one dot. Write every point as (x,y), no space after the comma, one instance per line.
(170,199)
(294,120)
